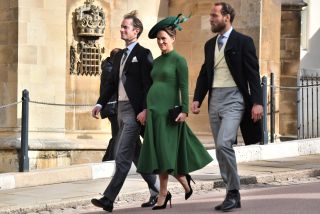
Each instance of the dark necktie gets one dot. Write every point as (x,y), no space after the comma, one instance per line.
(220,42)
(124,56)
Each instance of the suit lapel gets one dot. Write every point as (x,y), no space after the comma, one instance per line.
(210,53)
(231,40)
(230,50)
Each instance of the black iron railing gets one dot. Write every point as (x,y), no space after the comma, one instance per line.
(308,98)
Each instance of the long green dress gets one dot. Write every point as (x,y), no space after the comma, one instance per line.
(168,147)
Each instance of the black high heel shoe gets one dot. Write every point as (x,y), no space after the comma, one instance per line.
(164,205)
(189,179)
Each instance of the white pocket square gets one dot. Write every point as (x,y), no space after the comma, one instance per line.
(134,59)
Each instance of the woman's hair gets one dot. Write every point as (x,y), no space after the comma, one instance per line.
(171,31)
(135,21)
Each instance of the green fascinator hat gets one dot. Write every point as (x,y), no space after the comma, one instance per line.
(171,21)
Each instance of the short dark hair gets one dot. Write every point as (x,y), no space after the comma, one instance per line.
(135,21)
(226,9)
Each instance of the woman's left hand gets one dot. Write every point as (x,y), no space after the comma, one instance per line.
(181,117)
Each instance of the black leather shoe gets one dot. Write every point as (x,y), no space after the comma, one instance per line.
(231,201)
(218,207)
(152,201)
(103,203)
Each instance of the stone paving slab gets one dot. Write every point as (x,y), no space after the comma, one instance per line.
(94,171)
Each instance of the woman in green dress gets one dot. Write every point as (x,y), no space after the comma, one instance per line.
(169,148)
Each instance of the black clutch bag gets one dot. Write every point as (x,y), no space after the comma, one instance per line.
(173,113)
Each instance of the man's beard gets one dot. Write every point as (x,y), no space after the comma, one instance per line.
(218,28)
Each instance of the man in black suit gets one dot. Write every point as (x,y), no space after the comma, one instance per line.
(110,109)
(131,80)
(230,74)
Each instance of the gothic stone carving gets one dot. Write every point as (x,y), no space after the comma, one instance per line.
(85,56)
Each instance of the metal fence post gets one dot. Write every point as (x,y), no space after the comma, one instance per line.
(303,107)
(317,83)
(272,108)
(265,109)
(299,107)
(24,158)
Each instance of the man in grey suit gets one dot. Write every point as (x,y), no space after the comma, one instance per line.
(131,81)
(230,74)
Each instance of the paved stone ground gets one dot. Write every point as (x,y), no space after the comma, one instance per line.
(74,197)
(88,208)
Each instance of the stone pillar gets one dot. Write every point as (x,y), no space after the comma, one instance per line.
(270,49)
(290,63)
(32,57)
(8,65)
(42,64)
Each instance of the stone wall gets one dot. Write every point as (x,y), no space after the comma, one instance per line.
(42,62)
(270,50)
(8,63)
(9,160)
(290,62)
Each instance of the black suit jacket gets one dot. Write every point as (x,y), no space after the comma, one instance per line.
(138,78)
(109,109)
(241,58)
